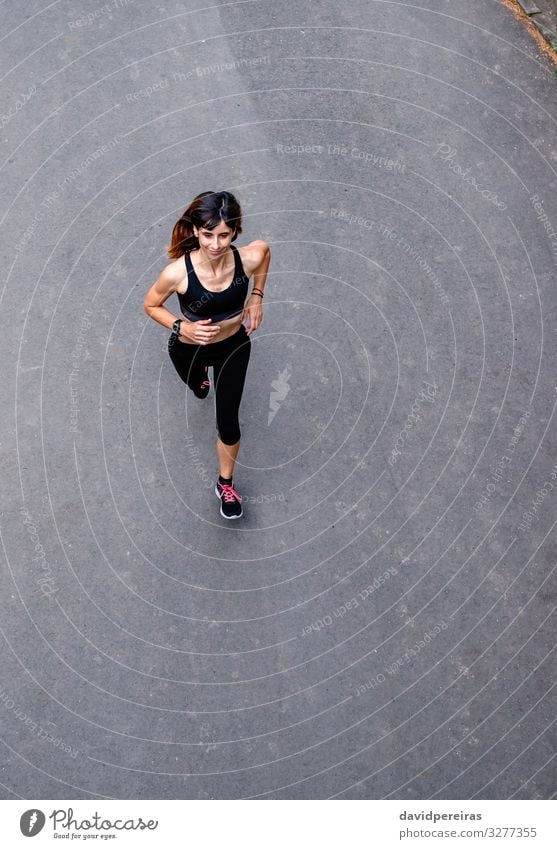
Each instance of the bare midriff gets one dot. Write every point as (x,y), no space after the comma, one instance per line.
(228,326)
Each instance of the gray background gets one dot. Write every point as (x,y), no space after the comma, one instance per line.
(379,625)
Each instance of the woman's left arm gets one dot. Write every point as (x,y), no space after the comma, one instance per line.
(260,254)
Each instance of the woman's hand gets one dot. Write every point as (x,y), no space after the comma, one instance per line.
(199,332)
(253,313)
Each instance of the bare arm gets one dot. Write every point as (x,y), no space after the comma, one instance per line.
(260,252)
(200,332)
(159,292)
(259,258)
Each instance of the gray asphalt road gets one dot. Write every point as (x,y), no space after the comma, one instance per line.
(381,623)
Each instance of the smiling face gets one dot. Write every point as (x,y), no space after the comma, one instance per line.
(214,242)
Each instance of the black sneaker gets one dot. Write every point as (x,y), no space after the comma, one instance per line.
(203,390)
(230,501)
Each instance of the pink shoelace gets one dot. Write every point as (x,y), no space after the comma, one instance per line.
(229,493)
(205,384)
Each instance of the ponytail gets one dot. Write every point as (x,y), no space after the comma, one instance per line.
(183,241)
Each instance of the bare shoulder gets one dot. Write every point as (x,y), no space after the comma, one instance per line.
(252,255)
(173,273)
(171,278)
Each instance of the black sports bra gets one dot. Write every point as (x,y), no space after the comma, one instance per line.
(198,302)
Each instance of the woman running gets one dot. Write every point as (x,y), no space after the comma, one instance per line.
(210,277)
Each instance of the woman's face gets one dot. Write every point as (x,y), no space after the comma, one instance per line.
(214,242)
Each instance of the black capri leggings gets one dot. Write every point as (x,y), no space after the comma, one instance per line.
(229,359)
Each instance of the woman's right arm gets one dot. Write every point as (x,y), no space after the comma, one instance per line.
(159,292)
(200,332)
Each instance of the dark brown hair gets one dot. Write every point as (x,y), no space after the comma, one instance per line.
(207,210)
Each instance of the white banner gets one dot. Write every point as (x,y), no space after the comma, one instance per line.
(254,824)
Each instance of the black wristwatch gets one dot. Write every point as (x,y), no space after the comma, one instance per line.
(176,326)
